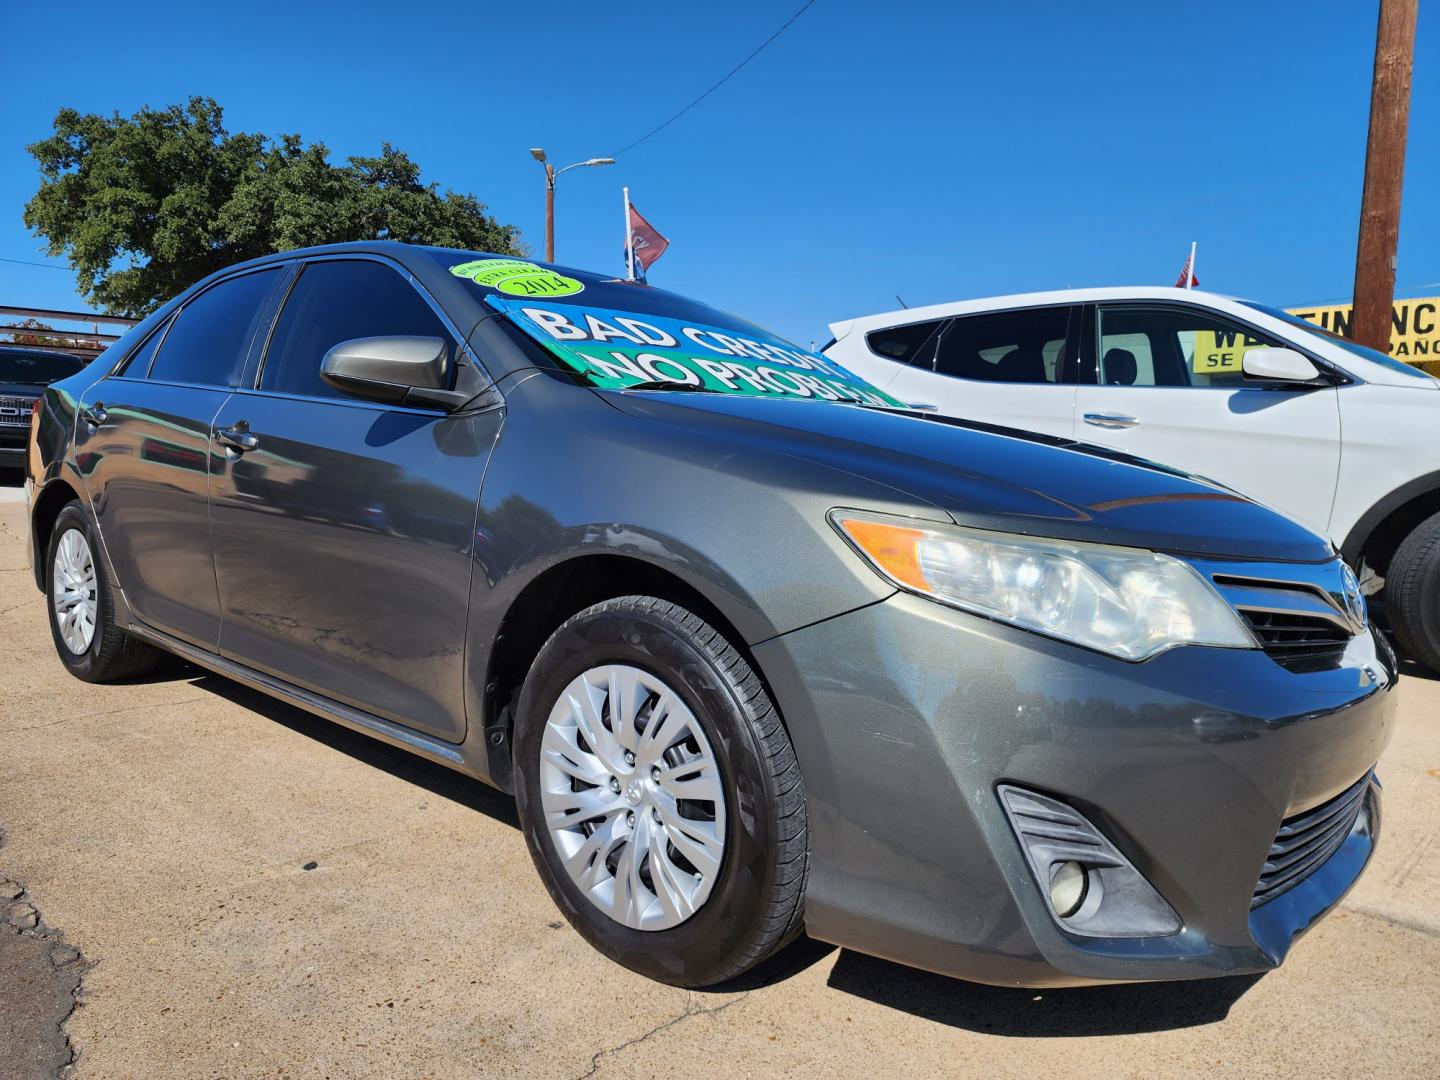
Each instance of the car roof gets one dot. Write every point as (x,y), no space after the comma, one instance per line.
(431,267)
(905,316)
(419,258)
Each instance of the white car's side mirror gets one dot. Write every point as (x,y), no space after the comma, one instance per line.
(1287,365)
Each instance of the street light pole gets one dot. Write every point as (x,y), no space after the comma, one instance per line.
(549,212)
(550,174)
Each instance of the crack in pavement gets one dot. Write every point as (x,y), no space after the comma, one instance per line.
(40,989)
(690,1010)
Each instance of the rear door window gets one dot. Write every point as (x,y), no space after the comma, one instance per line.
(210,337)
(1028,345)
(137,364)
(335,301)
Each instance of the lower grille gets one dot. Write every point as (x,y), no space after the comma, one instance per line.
(1287,636)
(1306,840)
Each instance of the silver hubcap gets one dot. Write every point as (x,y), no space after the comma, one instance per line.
(73,588)
(632,797)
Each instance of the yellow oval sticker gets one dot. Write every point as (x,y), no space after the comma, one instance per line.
(517,278)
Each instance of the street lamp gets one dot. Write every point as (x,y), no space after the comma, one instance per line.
(550,174)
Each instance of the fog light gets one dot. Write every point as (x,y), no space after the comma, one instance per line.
(1088,885)
(1068,885)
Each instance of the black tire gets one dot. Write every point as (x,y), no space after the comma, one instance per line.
(756,904)
(1412,594)
(113,654)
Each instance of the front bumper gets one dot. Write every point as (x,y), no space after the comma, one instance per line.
(905,715)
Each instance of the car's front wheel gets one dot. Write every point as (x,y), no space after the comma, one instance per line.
(659,793)
(82,610)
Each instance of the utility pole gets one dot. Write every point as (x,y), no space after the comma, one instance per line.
(1384,174)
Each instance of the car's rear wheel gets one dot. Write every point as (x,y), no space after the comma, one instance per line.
(659,793)
(82,608)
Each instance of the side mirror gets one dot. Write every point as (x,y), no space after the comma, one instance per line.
(1283,365)
(405,370)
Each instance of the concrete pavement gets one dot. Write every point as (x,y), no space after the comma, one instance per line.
(257,893)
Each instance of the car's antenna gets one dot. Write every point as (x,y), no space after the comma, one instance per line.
(902,302)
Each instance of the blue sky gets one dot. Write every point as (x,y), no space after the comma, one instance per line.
(934,150)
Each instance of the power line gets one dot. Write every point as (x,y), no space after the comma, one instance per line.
(761,48)
(23,262)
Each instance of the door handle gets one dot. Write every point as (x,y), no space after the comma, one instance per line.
(238,438)
(94,415)
(1110,420)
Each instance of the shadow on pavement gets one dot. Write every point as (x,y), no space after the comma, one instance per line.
(1073,1012)
(436,779)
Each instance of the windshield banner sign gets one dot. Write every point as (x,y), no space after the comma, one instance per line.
(616,349)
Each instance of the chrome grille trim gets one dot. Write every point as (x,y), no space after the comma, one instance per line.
(1296,611)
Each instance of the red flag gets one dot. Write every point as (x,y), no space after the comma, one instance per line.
(1187,279)
(647,244)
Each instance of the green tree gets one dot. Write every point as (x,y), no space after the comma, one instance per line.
(145,205)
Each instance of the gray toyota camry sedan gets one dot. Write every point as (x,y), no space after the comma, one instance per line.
(758,649)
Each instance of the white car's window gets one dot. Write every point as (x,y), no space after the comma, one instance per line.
(1153,346)
(1023,346)
(913,343)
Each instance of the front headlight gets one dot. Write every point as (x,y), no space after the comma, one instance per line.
(1127,602)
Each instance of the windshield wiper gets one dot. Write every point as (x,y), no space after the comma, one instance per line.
(662,384)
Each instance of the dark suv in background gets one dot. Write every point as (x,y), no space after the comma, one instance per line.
(24,374)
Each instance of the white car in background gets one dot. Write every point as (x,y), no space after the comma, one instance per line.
(1342,437)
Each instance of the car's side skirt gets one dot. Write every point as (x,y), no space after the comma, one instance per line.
(443,753)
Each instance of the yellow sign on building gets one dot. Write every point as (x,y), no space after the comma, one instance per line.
(1414,328)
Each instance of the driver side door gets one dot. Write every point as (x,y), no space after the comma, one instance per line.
(344,529)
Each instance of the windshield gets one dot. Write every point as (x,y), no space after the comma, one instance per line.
(36,368)
(625,335)
(618,350)
(1375,356)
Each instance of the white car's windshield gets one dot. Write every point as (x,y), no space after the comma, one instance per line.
(1375,356)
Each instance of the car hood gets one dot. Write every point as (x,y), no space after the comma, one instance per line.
(999,478)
